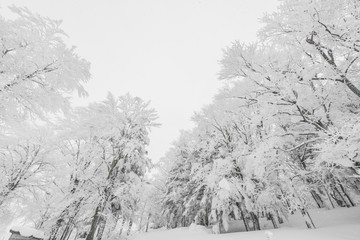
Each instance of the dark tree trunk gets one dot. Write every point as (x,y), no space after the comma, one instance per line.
(280,219)
(342,202)
(271,217)
(112,173)
(351,86)
(94,224)
(243,217)
(70,226)
(328,195)
(246,224)
(346,195)
(308,220)
(102,224)
(207,216)
(255,220)
(319,202)
(66,233)
(205,220)
(220,223)
(69,232)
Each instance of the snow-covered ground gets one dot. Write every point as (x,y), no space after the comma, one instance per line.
(28,232)
(336,224)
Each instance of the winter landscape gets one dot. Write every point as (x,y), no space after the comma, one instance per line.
(180,120)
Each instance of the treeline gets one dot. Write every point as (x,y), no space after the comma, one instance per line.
(283,134)
(68,171)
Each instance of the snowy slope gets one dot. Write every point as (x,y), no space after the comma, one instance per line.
(336,224)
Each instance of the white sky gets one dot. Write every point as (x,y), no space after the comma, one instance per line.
(166,51)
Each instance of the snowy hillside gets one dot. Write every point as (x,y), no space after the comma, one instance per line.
(336,224)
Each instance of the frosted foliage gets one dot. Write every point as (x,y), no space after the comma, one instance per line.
(281,135)
(280,138)
(224,184)
(220,168)
(38,72)
(97,161)
(342,145)
(38,75)
(63,168)
(25,164)
(109,160)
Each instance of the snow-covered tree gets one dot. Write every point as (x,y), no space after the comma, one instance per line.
(105,144)
(38,75)
(281,132)
(26,160)
(38,71)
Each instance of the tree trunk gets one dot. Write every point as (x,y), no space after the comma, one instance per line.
(271,217)
(255,220)
(70,212)
(102,225)
(55,230)
(243,216)
(94,224)
(328,195)
(346,195)
(342,202)
(221,224)
(67,231)
(129,229)
(246,224)
(142,216)
(70,226)
(122,226)
(147,223)
(351,86)
(319,202)
(308,220)
(280,219)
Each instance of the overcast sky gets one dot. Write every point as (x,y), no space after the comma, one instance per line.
(165,51)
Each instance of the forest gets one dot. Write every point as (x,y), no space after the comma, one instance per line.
(281,136)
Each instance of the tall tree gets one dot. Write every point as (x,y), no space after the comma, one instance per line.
(118,129)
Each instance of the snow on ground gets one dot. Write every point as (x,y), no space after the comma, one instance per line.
(336,224)
(27,232)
